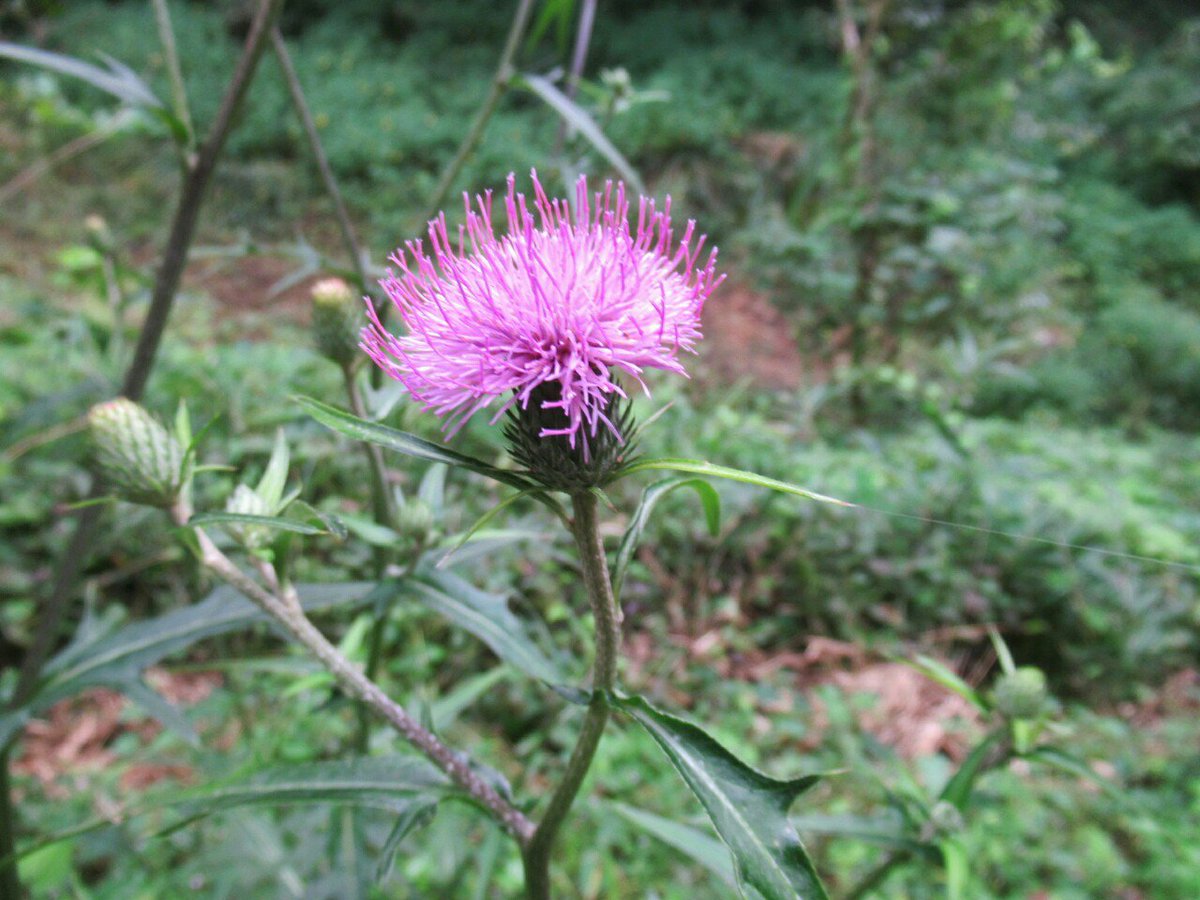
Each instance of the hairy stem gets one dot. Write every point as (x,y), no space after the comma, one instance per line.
(283,605)
(586,531)
(500,83)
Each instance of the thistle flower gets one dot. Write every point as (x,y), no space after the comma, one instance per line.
(549,313)
(137,456)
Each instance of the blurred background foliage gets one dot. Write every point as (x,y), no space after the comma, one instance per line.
(964,287)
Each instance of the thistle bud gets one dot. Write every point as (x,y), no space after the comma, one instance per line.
(135,454)
(415,521)
(246,501)
(337,319)
(1021,694)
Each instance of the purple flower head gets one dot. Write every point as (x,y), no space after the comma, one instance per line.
(558,305)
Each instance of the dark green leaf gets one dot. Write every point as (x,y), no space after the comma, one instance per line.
(709,499)
(486,616)
(958,789)
(700,467)
(748,808)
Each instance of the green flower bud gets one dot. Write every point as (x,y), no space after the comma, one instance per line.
(135,454)
(337,319)
(1021,695)
(245,501)
(415,521)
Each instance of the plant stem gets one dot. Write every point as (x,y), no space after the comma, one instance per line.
(283,605)
(384,514)
(166,37)
(341,213)
(52,613)
(500,83)
(583,39)
(10,883)
(598,584)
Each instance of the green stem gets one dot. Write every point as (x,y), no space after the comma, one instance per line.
(384,514)
(586,532)
(500,82)
(166,36)
(10,882)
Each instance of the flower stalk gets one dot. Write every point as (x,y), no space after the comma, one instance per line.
(598,584)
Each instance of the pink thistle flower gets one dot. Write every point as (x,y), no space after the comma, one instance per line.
(563,299)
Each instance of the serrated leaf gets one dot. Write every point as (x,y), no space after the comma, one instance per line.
(700,467)
(748,809)
(118,80)
(579,119)
(486,616)
(709,499)
(702,848)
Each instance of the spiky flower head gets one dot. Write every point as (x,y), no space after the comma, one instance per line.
(136,455)
(1021,694)
(336,321)
(546,317)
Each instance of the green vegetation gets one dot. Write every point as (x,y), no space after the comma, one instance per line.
(991,268)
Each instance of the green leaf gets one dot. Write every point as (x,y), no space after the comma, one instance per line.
(486,616)
(390,783)
(1003,654)
(958,869)
(709,499)
(700,467)
(577,117)
(707,851)
(274,478)
(887,831)
(403,442)
(480,523)
(118,80)
(958,789)
(279,524)
(748,809)
(936,671)
(417,814)
(445,710)
(117,659)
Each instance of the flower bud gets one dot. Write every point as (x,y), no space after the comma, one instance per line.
(135,454)
(414,520)
(1021,694)
(337,319)
(246,501)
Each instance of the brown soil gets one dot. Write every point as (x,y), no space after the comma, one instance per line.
(747,339)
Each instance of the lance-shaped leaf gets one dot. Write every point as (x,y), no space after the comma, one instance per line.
(709,499)
(577,117)
(117,659)
(700,467)
(748,809)
(118,79)
(486,616)
(701,847)
(390,783)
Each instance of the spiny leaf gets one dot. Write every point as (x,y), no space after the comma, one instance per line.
(748,809)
